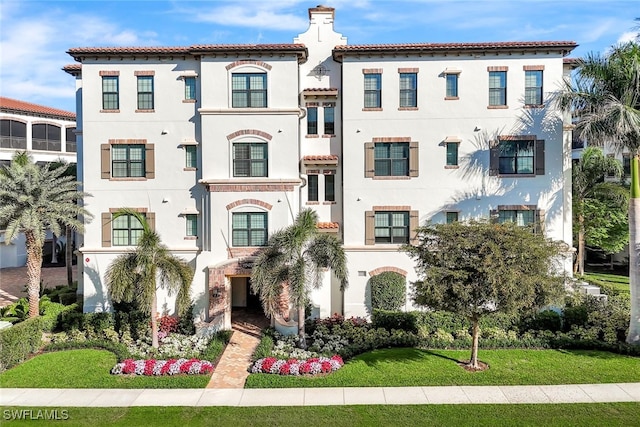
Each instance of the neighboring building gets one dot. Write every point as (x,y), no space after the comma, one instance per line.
(221,145)
(48,135)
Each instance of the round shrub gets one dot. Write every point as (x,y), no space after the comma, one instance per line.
(388,291)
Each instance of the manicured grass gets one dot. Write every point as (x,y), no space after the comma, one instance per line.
(619,282)
(592,414)
(87,369)
(412,367)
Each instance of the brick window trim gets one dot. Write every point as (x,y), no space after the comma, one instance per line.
(105,159)
(249,62)
(387,178)
(369,232)
(332,135)
(391,139)
(497,68)
(312,202)
(189,101)
(244,132)
(329,202)
(190,237)
(408,108)
(254,202)
(381,270)
(451,98)
(533,106)
(452,167)
(189,169)
(533,67)
(391,208)
(110,111)
(497,107)
(372,109)
(144,73)
(151,110)
(109,73)
(312,136)
(408,70)
(372,71)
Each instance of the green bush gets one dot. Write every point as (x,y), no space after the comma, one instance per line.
(84,321)
(186,325)
(19,341)
(216,346)
(388,291)
(119,349)
(406,321)
(264,348)
(62,294)
(52,313)
(547,320)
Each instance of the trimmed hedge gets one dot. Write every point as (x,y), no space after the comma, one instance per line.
(388,291)
(19,341)
(120,350)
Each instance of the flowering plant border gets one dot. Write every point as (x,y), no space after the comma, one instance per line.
(153,367)
(312,366)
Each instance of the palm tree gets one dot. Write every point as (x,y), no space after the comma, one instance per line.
(587,179)
(605,98)
(293,262)
(34,199)
(71,170)
(136,276)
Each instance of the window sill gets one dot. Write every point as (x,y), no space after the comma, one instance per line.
(128,179)
(372,109)
(383,178)
(189,101)
(311,135)
(146,111)
(452,167)
(190,169)
(407,108)
(329,202)
(110,111)
(190,237)
(533,106)
(312,203)
(517,175)
(451,98)
(332,135)
(497,107)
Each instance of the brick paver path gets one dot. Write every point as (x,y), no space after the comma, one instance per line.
(13,281)
(233,368)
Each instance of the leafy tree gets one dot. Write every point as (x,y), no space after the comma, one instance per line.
(606,220)
(293,263)
(479,268)
(590,192)
(34,199)
(136,276)
(605,98)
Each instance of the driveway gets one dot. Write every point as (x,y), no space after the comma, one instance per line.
(13,281)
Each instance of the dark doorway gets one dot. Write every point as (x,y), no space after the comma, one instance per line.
(253,300)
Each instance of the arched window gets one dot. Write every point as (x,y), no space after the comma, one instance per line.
(46,137)
(13,134)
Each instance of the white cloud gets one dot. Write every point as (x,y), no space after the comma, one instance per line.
(628,36)
(242,16)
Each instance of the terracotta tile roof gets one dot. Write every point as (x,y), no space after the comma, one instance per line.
(572,61)
(72,69)
(328,159)
(78,52)
(22,107)
(448,47)
(328,225)
(322,89)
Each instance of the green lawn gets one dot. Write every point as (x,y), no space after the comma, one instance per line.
(87,369)
(593,414)
(413,367)
(619,282)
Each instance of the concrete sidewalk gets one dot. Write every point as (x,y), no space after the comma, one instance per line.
(575,393)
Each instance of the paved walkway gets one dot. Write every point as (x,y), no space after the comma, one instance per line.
(582,393)
(13,281)
(232,369)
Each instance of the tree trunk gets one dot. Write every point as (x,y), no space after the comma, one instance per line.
(634,248)
(154,322)
(302,342)
(54,251)
(34,265)
(580,259)
(475,332)
(68,257)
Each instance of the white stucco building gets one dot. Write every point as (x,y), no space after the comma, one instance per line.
(48,135)
(220,145)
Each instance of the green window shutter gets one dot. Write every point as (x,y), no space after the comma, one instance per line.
(369,170)
(414,159)
(105,161)
(369,228)
(494,158)
(149,161)
(539,159)
(414,223)
(106,229)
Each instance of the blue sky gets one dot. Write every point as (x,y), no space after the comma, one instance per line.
(34,35)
